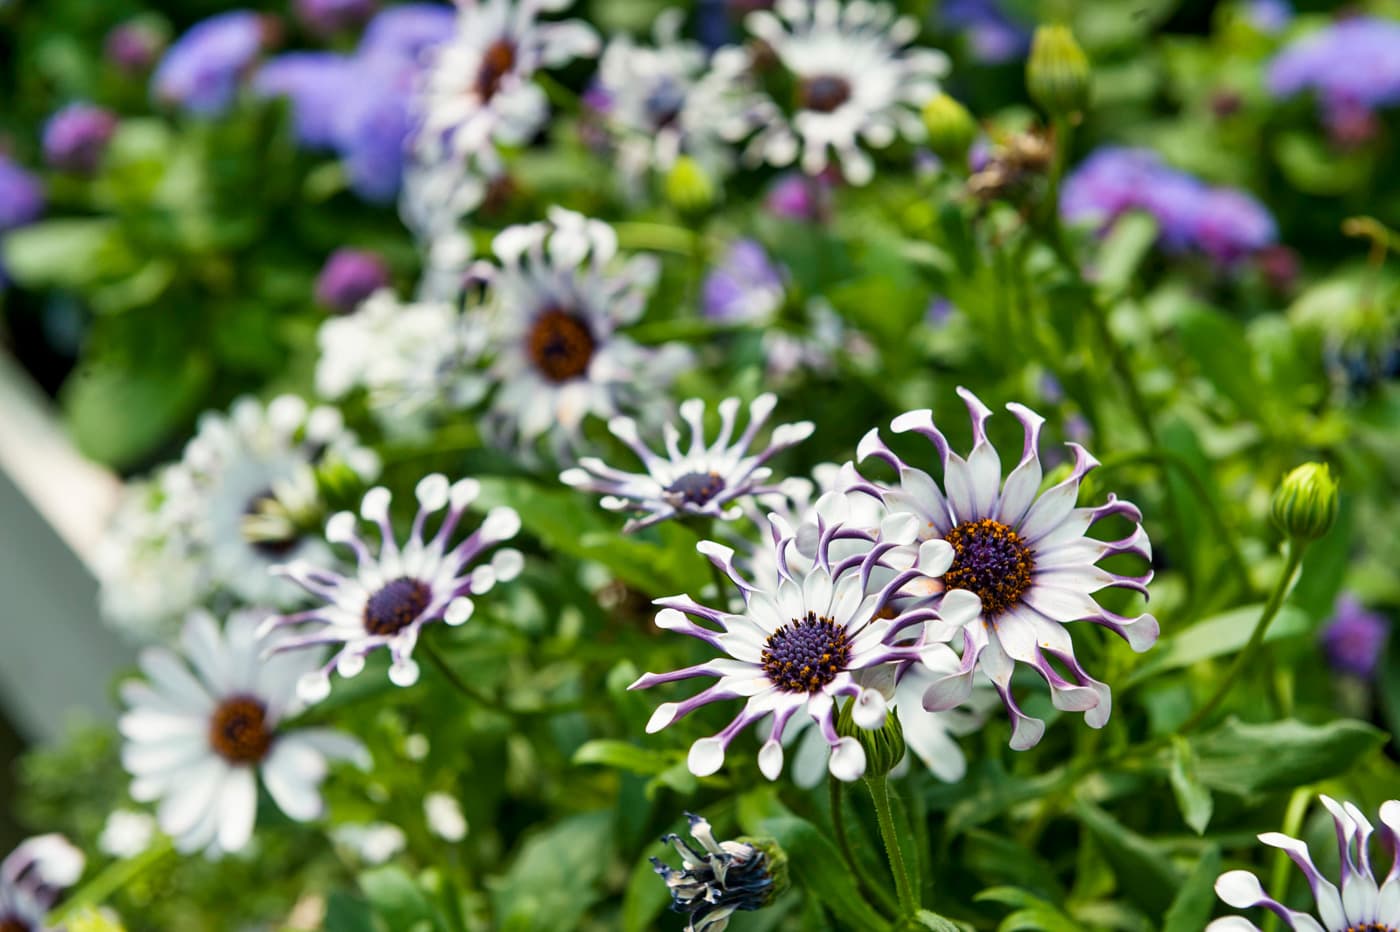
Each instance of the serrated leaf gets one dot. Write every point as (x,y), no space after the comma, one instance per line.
(1240,758)
(1192,796)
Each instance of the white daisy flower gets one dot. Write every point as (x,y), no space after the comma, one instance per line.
(852,81)
(1026,554)
(391,595)
(477,94)
(201,730)
(126,833)
(555,304)
(31,879)
(701,480)
(414,360)
(253,473)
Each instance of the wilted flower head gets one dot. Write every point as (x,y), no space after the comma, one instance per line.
(1362,904)
(1351,65)
(718,880)
(703,480)
(31,879)
(76,137)
(856,81)
(1355,638)
(1025,554)
(349,277)
(202,70)
(392,594)
(745,287)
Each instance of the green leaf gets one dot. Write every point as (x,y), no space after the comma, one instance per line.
(119,414)
(554,878)
(1193,906)
(1192,796)
(1242,759)
(396,899)
(1032,912)
(1216,636)
(346,913)
(1217,345)
(1145,874)
(818,869)
(644,899)
(924,919)
(67,253)
(623,755)
(1123,250)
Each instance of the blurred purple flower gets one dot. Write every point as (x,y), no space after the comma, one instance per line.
(1355,638)
(993,37)
(1224,223)
(795,196)
(133,46)
(1269,16)
(940,309)
(745,287)
(318,85)
(328,17)
(348,277)
(373,129)
(1350,65)
(21,196)
(201,72)
(405,32)
(76,137)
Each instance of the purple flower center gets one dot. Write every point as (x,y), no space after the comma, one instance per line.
(696,488)
(560,345)
(991,560)
(238,730)
(805,654)
(396,606)
(823,93)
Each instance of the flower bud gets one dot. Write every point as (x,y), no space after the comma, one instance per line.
(951,128)
(689,187)
(1057,74)
(1304,505)
(717,878)
(884,746)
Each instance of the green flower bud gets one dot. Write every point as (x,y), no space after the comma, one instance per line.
(951,128)
(884,747)
(689,187)
(1057,74)
(1304,505)
(775,862)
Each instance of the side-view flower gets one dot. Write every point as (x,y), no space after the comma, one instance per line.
(31,878)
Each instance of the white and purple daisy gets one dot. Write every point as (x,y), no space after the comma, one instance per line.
(855,84)
(800,645)
(1025,554)
(31,879)
(555,305)
(1362,904)
(391,595)
(704,480)
(477,94)
(202,729)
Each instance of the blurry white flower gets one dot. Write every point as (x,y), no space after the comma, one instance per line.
(444,815)
(126,833)
(373,843)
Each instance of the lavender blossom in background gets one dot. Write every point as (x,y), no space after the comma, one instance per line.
(349,277)
(21,201)
(1352,66)
(317,85)
(745,287)
(1355,638)
(1225,224)
(76,137)
(202,71)
(328,17)
(1269,16)
(794,196)
(133,47)
(940,311)
(993,37)
(407,31)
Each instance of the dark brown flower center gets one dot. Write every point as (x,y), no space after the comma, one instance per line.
(14,924)
(238,730)
(560,345)
(696,488)
(805,654)
(396,606)
(823,93)
(496,63)
(991,560)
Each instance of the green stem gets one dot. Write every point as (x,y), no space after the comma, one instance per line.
(884,813)
(1292,826)
(117,875)
(886,903)
(1256,640)
(656,237)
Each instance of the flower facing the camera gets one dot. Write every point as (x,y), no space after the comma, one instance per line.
(1358,903)
(721,877)
(201,730)
(392,594)
(1025,554)
(702,480)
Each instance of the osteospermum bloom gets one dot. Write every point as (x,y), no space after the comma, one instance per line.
(392,594)
(556,303)
(703,480)
(798,645)
(252,472)
(855,84)
(720,879)
(1362,904)
(31,879)
(477,93)
(203,729)
(1026,555)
